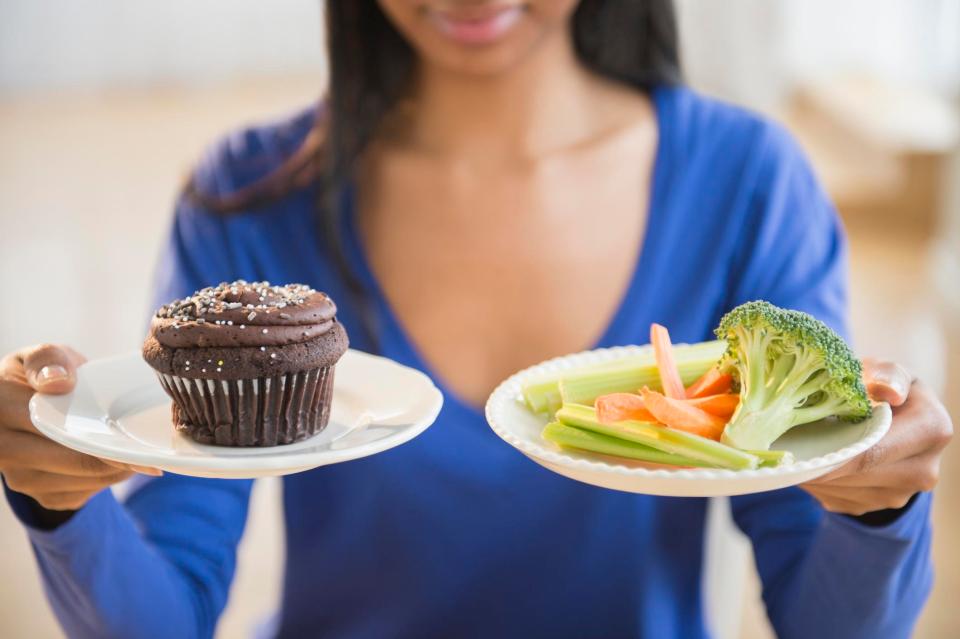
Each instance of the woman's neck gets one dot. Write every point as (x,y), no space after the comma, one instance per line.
(548,102)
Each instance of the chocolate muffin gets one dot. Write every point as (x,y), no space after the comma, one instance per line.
(248,364)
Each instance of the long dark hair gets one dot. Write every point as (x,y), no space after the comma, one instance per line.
(371,67)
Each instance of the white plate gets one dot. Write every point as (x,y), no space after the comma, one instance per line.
(818,448)
(118,411)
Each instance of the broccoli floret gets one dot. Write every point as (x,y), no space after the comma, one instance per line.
(792,369)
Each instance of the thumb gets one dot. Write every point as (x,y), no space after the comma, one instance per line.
(51,369)
(886,381)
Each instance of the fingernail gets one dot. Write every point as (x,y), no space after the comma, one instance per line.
(900,388)
(52,373)
(893,382)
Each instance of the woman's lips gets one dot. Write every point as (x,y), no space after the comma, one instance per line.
(478,25)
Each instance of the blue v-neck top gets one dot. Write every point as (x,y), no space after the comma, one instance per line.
(456,534)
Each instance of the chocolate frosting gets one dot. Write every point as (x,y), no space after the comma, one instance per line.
(243,313)
(251,362)
(245,330)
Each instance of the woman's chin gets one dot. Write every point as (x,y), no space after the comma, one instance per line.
(487,61)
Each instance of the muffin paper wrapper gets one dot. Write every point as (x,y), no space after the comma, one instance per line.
(265,411)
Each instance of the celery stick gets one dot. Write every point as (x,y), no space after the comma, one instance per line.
(773,457)
(623,375)
(573,437)
(669,440)
(542,397)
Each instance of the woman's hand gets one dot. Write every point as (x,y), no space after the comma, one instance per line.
(906,461)
(56,477)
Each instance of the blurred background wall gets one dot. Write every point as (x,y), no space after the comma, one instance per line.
(103,107)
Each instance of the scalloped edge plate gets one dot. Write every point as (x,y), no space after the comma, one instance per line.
(818,448)
(118,411)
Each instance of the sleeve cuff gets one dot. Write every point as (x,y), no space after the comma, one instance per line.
(31,513)
(79,524)
(901,526)
(885,516)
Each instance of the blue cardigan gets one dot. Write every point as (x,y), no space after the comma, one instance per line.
(455,534)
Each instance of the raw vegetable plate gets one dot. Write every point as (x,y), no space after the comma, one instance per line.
(119,411)
(816,448)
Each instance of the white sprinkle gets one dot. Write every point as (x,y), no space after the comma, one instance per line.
(264,331)
(229,322)
(203,370)
(218,369)
(263,348)
(251,316)
(187,368)
(187,362)
(243,326)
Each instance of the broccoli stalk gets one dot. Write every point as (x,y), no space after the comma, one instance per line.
(792,370)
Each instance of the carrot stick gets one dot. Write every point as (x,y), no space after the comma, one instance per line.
(667,365)
(682,416)
(617,407)
(722,405)
(713,382)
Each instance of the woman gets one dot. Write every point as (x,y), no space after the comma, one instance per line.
(490,184)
